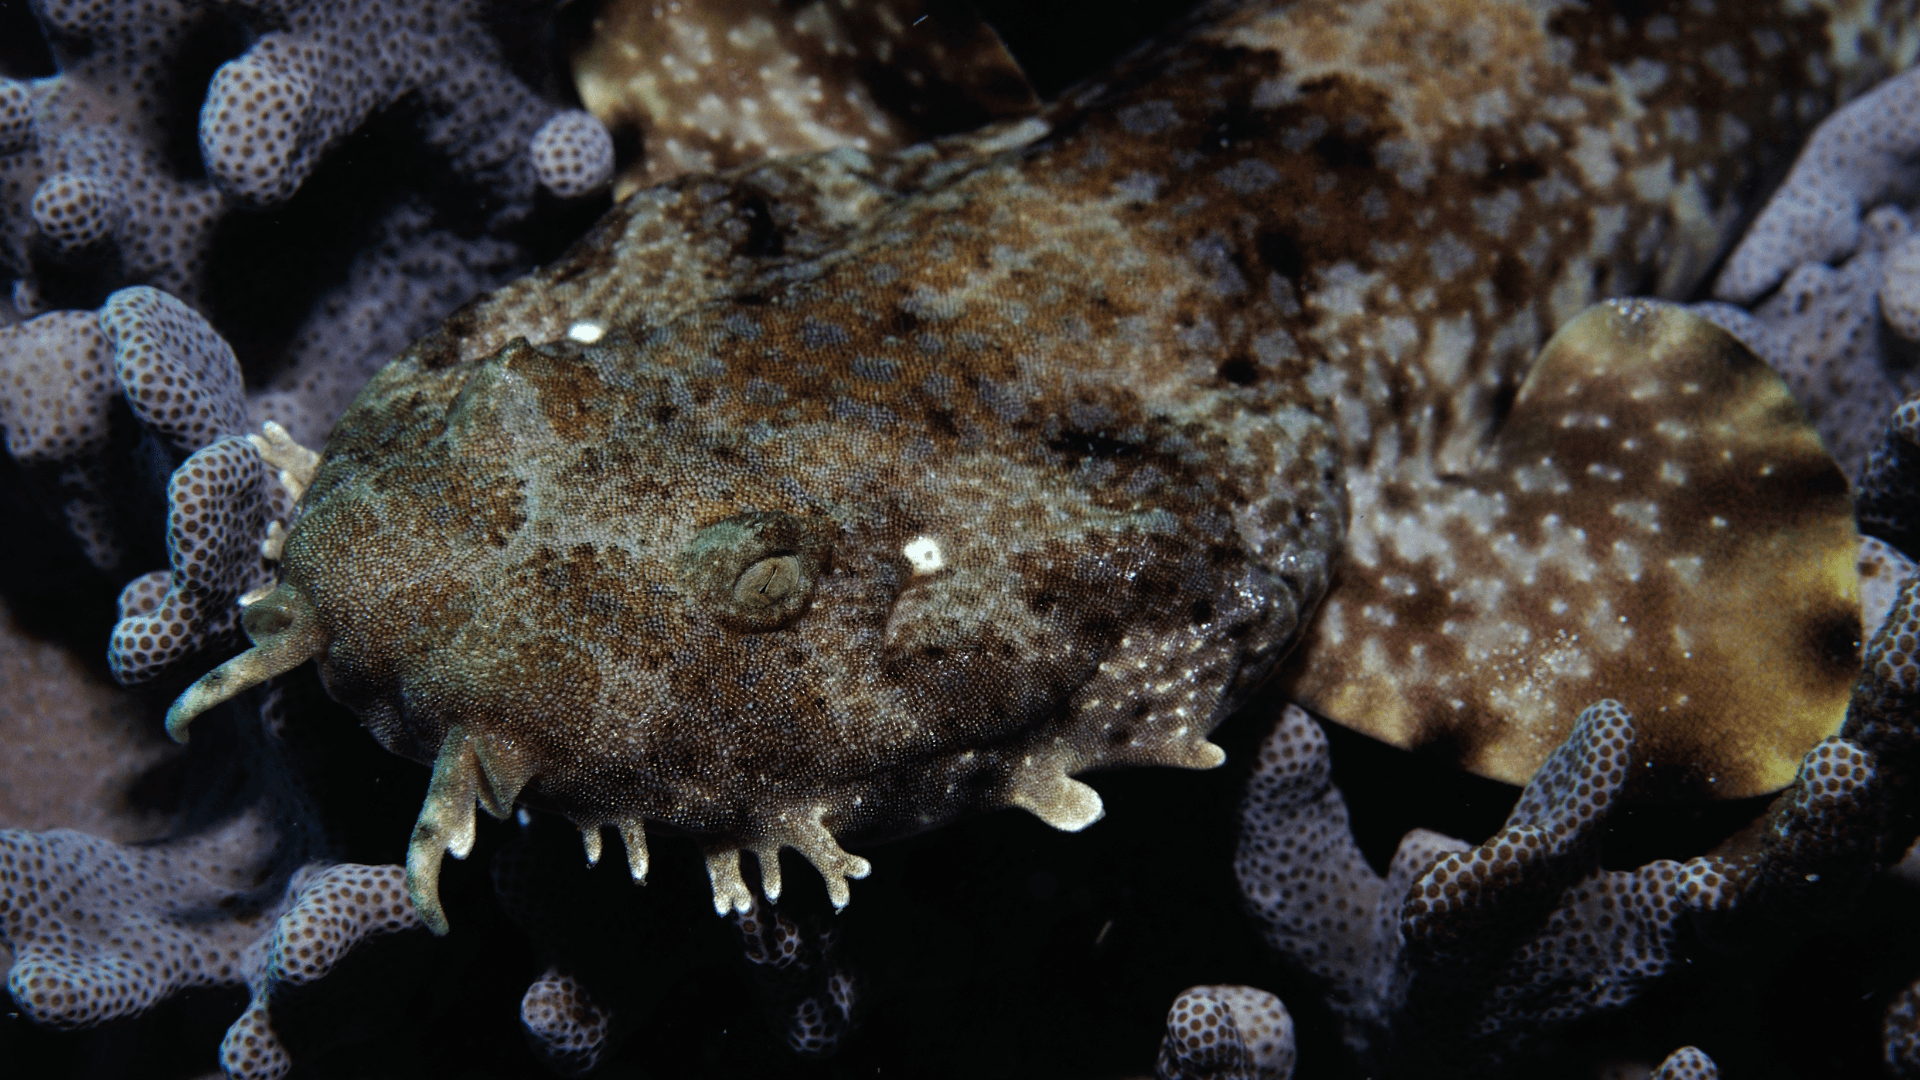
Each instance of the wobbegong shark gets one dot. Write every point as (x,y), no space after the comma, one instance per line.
(829,499)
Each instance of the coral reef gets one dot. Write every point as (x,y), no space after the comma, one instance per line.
(1687,1063)
(57,414)
(567,1028)
(92,157)
(253,875)
(115,172)
(1226,1033)
(810,996)
(99,930)
(1856,160)
(328,913)
(1889,486)
(1900,1035)
(1465,954)
(1829,271)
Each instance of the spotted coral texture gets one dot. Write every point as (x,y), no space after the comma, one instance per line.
(57,390)
(572,154)
(1889,487)
(185,386)
(811,998)
(178,373)
(218,506)
(1900,1034)
(331,911)
(563,1024)
(1301,874)
(1687,1063)
(1464,895)
(75,210)
(271,114)
(1821,329)
(1854,161)
(100,185)
(16,116)
(85,168)
(1492,970)
(1471,952)
(1883,569)
(100,931)
(1882,720)
(1226,1033)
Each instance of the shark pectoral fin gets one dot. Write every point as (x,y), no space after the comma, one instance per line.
(1654,522)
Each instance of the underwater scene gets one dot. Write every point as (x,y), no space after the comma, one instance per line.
(1239,540)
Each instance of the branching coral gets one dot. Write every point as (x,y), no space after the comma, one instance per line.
(1832,265)
(329,913)
(1687,1063)
(810,997)
(1889,490)
(1226,1033)
(1900,1034)
(298,90)
(1459,950)
(113,172)
(1860,157)
(1822,330)
(99,930)
(1467,953)
(92,189)
(57,412)
(93,158)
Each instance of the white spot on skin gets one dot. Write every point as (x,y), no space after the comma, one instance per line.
(586,333)
(1594,156)
(1626,560)
(1654,183)
(924,555)
(1641,77)
(1687,568)
(1724,59)
(1450,255)
(1447,350)
(1495,214)
(1639,512)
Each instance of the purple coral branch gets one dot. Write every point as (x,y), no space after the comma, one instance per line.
(1466,953)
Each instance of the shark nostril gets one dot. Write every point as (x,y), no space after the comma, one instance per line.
(768,582)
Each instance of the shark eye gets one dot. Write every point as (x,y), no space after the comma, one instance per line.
(756,571)
(768,582)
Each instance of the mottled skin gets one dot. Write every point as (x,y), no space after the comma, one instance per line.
(883,490)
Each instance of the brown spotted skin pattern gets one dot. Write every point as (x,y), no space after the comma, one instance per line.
(851,494)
